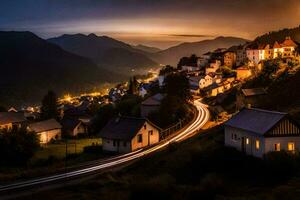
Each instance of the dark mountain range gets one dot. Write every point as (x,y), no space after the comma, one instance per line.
(101,49)
(30,66)
(173,54)
(147,48)
(271,37)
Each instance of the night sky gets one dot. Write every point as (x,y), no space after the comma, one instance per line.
(160,23)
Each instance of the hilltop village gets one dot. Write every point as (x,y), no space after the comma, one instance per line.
(147,110)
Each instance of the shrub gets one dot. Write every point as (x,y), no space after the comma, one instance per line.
(94,149)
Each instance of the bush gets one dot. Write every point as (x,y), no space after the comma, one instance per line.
(17,147)
(94,149)
(281,163)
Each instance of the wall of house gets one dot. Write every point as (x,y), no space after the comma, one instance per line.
(116,146)
(236,137)
(46,136)
(283,141)
(79,130)
(243,74)
(6,126)
(147,138)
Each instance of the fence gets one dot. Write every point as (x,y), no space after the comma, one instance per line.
(170,131)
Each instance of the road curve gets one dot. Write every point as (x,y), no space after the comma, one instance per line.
(201,119)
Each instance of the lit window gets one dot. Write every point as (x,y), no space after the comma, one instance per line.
(247,140)
(291,146)
(257,144)
(277,147)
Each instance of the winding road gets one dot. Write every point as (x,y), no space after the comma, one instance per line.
(200,120)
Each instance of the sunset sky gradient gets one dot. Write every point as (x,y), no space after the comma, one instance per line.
(160,23)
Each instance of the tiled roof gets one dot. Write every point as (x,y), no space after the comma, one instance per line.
(254,91)
(255,120)
(46,125)
(11,117)
(154,100)
(288,42)
(123,128)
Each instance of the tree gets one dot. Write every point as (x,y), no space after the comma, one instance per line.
(17,147)
(166,70)
(178,85)
(3,109)
(49,106)
(105,113)
(133,86)
(190,61)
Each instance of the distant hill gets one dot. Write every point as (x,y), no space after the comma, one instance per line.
(173,54)
(104,50)
(147,48)
(30,66)
(271,37)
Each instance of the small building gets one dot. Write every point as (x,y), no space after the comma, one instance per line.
(151,104)
(257,132)
(190,68)
(250,97)
(217,88)
(243,73)
(12,120)
(73,127)
(213,67)
(230,59)
(47,130)
(127,134)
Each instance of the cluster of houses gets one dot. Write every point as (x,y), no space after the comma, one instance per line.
(74,121)
(242,62)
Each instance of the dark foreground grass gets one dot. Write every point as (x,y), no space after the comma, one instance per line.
(200,168)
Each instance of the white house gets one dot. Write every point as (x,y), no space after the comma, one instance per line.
(126,134)
(10,120)
(257,132)
(73,127)
(190,68)
(151,104)
(47,130)
(213,67)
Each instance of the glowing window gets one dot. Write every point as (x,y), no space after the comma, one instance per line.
(291,146)
(247,141)
(277,147)
(257,144)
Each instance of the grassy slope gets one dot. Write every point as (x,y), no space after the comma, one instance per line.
(59,150)
(200,168)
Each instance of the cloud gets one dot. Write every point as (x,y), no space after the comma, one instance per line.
(191,35)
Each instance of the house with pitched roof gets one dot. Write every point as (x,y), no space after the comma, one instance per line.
(151,104)
(127,134)
(251,97)
(257,132)
(46,130)
(10,120)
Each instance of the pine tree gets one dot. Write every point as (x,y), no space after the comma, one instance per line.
(49,106)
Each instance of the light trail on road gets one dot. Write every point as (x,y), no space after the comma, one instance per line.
(201,119)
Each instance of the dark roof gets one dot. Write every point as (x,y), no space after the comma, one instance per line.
(256,120)
(154,100)
(11,117)
(70,124)
(46,125)
(194,87)
(123,128)
(254,92)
